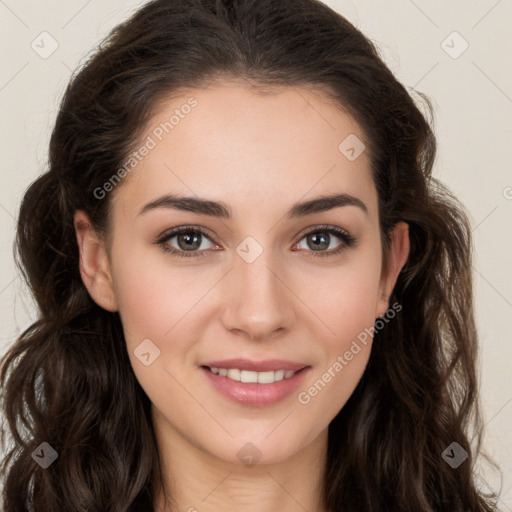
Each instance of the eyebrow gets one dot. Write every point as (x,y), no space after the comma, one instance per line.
(223,210)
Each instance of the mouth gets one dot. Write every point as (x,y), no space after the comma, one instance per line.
(248,376)
(254,388)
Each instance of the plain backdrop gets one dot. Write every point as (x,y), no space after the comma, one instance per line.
(459,53)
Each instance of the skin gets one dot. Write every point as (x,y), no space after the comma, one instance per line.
(260,154)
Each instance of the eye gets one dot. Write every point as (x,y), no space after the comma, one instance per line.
(320,239)
(189,239)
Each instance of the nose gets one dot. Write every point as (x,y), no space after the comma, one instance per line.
(258,304)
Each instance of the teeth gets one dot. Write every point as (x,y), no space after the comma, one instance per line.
(266,377)
(247,376)
(233,374)
(254,377)
(279,375)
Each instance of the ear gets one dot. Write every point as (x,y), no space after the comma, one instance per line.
(398,253)
(94,264)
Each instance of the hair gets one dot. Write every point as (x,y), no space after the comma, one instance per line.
(67,378)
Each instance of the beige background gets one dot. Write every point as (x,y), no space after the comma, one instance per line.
(472,94)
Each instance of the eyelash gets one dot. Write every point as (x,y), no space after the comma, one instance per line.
(348,240)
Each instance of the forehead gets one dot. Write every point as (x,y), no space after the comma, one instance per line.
(250,149)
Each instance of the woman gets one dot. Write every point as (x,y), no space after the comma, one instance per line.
(253,293)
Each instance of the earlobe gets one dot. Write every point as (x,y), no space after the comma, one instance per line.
(94,264)
(398,253)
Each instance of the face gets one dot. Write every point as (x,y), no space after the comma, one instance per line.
(266,280)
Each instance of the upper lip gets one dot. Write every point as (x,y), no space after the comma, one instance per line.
(256,366)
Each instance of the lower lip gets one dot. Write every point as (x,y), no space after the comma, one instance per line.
(252,393)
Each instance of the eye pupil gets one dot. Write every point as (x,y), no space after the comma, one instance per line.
(319,241)
(187,238)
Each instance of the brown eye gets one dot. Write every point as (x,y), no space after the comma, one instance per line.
(188,240)
(319,240)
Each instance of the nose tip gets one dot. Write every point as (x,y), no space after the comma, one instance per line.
(257,305)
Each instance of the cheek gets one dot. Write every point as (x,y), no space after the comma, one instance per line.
(347,312)
(165,304)
(153,297)
(142,303)
(344,297)
(346,349)
(329,389)
(153,306)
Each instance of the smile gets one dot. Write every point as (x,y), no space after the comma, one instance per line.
(251,388)
(254,377)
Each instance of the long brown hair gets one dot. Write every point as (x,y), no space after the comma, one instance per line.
(67,379)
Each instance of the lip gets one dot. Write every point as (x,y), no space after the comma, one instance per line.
(252,393)
(256,366)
